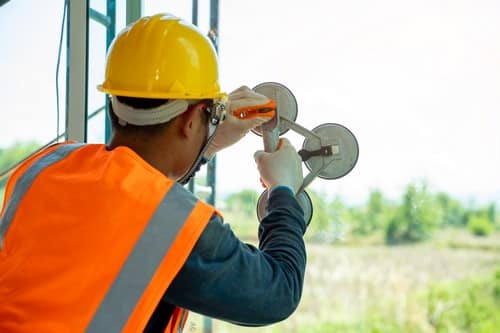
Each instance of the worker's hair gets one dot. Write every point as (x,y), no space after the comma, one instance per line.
(142,103)
(139,103)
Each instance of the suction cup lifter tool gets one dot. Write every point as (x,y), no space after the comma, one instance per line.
(330,150)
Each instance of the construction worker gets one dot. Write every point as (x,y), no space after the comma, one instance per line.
(104,238)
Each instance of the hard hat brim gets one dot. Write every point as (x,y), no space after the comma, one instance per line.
(161,95)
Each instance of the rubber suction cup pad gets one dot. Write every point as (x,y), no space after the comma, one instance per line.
(343,146)
(303,199)
(285,101)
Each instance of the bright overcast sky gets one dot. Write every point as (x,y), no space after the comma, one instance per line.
(417,82)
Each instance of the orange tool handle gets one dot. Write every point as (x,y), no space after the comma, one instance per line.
(264,110)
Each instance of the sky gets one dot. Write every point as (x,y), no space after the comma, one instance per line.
(417,82)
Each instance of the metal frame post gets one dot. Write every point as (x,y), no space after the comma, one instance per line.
(212,165)
(194,20)
(211,179)
(194,15)
(133,11)
(110,35)
(213,34)
(77,73)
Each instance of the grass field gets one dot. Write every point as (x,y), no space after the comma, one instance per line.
(375,288)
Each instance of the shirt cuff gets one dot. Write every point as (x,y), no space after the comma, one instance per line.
(283,187)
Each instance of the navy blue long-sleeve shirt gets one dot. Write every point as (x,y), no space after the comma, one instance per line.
(227,279)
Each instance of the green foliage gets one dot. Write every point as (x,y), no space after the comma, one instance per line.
(479,225)
(466,306)
(320,219)
(375,326)
(452,211)
(330,219)
(10,156)
(373,216)
(383,318)
(416,218)
(371,324)
(491,213)
(244,201)
(322,216)
(375,209)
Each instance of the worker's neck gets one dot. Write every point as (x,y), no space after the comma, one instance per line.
(153,150)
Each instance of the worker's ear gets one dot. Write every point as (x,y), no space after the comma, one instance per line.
(192,120)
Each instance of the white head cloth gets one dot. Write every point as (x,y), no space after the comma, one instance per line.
(142,117)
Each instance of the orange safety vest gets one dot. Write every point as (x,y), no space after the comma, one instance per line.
(90,240)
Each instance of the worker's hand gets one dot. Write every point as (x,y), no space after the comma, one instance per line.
(233,128)
(282,167)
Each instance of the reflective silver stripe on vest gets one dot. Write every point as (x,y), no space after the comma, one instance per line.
(147,255)
(181,322)
(24,182)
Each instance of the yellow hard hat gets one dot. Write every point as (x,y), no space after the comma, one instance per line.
(162,56)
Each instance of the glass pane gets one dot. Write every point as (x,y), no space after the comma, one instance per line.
(418,83)
(96,99)
(28,62)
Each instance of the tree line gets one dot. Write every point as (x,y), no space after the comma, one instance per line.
(415,217)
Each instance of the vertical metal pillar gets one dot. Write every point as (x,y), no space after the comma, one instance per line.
(214,23)
(211,167)
(133,11)
(194,11)
(213,34)
(77,73)
(194,20)
(110,35)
